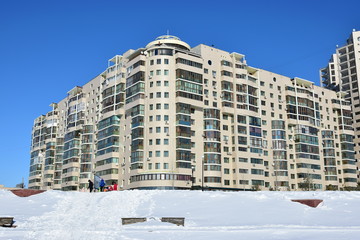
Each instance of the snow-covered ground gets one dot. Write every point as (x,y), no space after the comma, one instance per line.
(208,215)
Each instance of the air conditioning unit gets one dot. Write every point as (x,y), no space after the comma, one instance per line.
(229,153)
(167,134)
(123,164)
(167,122)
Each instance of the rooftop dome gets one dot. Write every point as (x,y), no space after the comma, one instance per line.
(169,40)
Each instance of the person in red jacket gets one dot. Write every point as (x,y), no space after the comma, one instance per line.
(115,186)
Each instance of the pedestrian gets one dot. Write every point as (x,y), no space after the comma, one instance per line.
(102,185)
(91,185)
(115,186)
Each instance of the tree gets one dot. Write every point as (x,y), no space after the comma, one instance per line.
(331,187)
(256,187)
(307,184)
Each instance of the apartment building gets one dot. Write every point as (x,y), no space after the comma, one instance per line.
(168,116)
(342,74)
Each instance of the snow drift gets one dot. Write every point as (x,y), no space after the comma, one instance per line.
(208,215)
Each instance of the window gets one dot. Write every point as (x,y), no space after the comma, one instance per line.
(150,118)
(245,160)
(158,72)
(158,129)
(158,94)
(166,166)
(166,94)
(166,153)
(151,84)
(157,165)
(166,72)
(157,153)
(151,107)
(166,141)
(158,117)
(166,106)
(166,61)
(151,95)
(151,62)
(241,119)
(214,74)
(158,141)
(150,154)
(150,141)
(166,117)
(150,166)
(166,83)
(158,61)
(158,83)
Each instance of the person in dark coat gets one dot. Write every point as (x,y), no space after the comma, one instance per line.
(91,185)
(102,185)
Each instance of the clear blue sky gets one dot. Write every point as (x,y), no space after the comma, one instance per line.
(48,47)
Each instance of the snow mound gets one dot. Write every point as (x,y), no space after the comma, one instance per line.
(208,215)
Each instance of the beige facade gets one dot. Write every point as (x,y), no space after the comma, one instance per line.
(342,74)
(169,116)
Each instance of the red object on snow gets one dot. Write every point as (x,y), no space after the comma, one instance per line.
(310,202)
(26,192)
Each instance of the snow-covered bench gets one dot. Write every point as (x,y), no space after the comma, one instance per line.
(7,222)
(179,221)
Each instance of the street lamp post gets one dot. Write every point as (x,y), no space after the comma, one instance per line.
(202,174)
